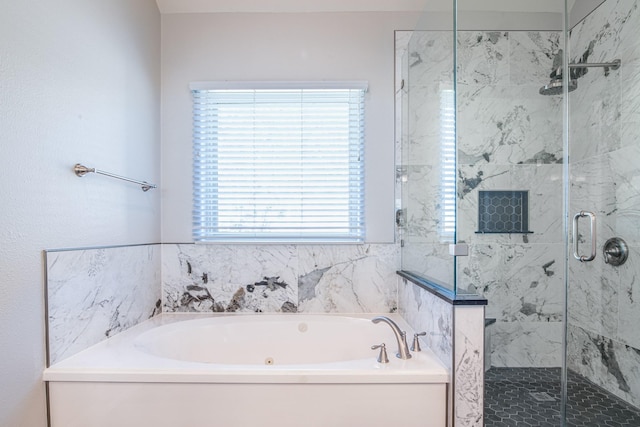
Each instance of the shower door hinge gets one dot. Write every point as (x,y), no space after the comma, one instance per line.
(401,217)
(459,249)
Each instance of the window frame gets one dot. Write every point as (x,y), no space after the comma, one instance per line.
(355,233)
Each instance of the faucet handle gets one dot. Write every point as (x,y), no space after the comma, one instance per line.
(382,357)
(416,342)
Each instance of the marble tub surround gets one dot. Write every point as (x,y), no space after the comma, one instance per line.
(425,312)
(455,333)
(280,278)
(93,294)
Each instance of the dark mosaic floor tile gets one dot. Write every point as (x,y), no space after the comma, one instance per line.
(526,397)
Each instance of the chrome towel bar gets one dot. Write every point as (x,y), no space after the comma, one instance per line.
(81,170)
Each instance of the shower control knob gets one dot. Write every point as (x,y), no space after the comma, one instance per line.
(615,251)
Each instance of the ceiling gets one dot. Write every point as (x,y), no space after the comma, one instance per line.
(275,6)
(213,6)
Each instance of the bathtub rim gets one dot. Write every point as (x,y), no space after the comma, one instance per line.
(117,360)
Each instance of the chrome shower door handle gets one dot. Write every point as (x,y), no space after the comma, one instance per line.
(576,242)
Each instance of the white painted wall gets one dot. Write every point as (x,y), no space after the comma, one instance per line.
(79,82)
(279,46)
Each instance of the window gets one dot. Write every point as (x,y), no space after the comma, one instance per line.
(278,162)
(447,227)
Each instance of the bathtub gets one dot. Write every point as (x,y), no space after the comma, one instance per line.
(244,370)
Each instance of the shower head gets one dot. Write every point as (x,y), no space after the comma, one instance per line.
(555,87)
(576,70)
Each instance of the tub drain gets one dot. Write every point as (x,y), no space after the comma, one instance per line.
(268,361)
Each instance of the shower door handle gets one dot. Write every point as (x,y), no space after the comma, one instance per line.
(576,242)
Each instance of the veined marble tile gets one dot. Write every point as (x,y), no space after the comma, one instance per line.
(422,203)
(594,119)
(526,344)
(629,33)
(629,104)
(431,58)
(93,294)
(593,188)
(606,32)
(629,298)
(425,312)
(231,278)
(593,296)
(522,283)
(482,57)
(431,261)
(347,278)
(426,125)
(606,362)
(508,125)
(531,55)
(544,184)
(469,365)
(625,169)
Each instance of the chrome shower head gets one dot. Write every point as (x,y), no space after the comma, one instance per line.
(555,87)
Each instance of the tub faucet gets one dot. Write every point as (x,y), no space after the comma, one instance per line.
(401,336)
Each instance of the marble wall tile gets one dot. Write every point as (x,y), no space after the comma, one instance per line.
(229,278)
(431,261)
(593,297)
(629,298)
(610,31)
(429,77)
(483,57)
(430,58)
(522,283)
(347,278)
(603,339)
(531,56)
(543,182)
(468,365)
(425,129)
(280,278)
(625,170)
(605,362)
(526,344)
(421,201)
(503,124)
(424,311)
(595,112)
(93,294)
(629,105)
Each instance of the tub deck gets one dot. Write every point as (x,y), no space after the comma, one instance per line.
(114,383)
(119,360)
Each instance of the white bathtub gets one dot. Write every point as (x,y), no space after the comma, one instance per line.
(244,370)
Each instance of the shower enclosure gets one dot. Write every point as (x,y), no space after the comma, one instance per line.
(520,155)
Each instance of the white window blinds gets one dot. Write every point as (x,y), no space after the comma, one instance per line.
(448,175)
(278,163)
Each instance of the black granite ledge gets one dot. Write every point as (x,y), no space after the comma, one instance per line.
(441,292)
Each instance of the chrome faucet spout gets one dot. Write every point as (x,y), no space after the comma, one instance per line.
(401,336)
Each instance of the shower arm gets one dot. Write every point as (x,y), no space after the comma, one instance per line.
(613,65)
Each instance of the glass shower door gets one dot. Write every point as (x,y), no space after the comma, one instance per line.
(603,288)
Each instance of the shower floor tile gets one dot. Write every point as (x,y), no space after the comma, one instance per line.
(524,397)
